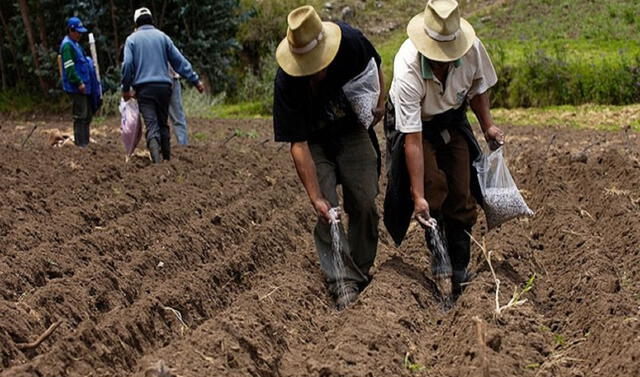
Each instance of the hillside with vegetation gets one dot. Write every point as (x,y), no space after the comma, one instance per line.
(549,54)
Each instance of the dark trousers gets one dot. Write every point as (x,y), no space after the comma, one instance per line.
(153,101)
(82,115)
(354,165)
(447,190)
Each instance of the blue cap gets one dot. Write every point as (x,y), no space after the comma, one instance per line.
(74,23)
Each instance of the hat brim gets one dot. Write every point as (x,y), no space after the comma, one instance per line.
(436,50)
(80,30)
(315,60)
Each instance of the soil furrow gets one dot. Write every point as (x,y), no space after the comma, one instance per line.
(208,263)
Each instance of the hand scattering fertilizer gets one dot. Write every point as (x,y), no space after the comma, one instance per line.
(336,247)
(440,261)
(363,92)
(502,200)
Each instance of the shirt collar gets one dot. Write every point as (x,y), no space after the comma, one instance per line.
(145,27)
(427,74)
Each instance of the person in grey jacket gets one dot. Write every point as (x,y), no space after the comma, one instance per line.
(148,52)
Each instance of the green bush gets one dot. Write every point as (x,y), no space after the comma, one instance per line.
(267,25)
(257,87)
(550,76)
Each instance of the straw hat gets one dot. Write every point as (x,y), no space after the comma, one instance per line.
(439,33)
(310,45)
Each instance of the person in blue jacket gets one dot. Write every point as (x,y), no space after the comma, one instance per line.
(77,80)
(148,52)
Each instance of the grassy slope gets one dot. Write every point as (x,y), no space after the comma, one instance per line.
(530,20)
(581,29)
(577,27)
(584,28)
(602,117)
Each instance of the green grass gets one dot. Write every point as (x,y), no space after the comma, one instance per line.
(575,52)
(242,110)
(553,52)
(387,48)
(589,116)
(200,136)
(532,366)
(410,365)
(545,20)
(555,57)
(515,51)
(20,102)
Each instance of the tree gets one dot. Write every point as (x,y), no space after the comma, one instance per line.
(2,70)
(211,49)
(11,45)
(24,11)
(203,30)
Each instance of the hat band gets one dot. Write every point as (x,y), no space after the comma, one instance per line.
(308,47)
(441,37)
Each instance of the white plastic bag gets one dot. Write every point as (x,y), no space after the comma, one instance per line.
(502,200)
(363,92)
(131,126)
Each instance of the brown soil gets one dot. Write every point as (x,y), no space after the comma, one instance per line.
(207,264)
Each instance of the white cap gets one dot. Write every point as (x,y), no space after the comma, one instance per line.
(140,12)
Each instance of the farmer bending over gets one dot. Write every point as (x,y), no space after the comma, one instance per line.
(440,69)
(147,55)
(328,145)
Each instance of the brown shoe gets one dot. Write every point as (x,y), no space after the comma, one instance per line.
(346,296)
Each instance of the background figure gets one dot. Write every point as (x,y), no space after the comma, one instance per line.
(176,111)
(76,80)
(147,54)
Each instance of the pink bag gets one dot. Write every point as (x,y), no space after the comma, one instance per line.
(131,126)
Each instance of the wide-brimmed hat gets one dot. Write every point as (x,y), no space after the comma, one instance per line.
(310,45)
(439,33)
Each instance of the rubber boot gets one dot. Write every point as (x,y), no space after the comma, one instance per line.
(154,150)
(166,148)
(459,250)
(346,296)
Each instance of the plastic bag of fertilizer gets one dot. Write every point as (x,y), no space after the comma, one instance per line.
(363,92)
(502,200)
(131,126)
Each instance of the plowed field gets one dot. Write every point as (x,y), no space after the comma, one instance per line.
(207,263)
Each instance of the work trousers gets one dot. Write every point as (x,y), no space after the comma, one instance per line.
(153,101)
(354,166)
(82,115)
(447,190)
(176,114)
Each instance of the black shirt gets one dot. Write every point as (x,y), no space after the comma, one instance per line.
(298,115)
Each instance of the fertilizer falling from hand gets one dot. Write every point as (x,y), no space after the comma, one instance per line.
(336,247)
(440,261)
